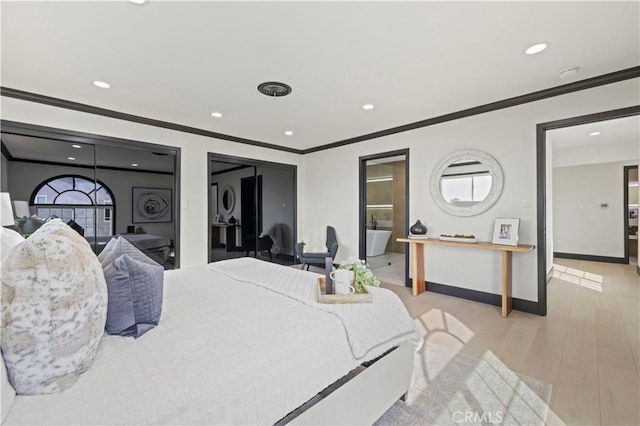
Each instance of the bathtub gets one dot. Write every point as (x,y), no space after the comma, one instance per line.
(377,242)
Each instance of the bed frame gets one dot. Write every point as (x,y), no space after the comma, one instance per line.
(362,396)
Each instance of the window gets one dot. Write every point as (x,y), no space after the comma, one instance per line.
(83,200)
(466,188)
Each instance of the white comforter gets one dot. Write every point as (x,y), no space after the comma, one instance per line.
(226,351)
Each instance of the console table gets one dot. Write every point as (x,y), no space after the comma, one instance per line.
(230,237)
(418,272)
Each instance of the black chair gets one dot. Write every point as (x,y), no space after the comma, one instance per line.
(264,243)
(318,258)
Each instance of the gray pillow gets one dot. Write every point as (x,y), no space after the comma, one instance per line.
(107,248)
(134,286)
(119,247)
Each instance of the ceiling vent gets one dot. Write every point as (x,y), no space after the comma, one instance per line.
(274,89)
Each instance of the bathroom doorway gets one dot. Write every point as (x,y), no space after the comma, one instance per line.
(384,210)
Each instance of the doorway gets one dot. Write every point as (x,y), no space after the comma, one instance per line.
(384,215)
(256,209)
(544,191)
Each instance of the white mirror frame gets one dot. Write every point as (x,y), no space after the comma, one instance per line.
(497,181)
(232,199)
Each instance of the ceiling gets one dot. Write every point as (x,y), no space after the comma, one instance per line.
(181,61)
(620,130)
(39,149)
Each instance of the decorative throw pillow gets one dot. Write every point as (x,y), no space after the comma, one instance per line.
(8,239)
(54,305)
(107,249)
(135,284)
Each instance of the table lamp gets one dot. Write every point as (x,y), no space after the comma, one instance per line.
(6,211)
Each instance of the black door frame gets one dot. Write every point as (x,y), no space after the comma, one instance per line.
(541,182)
(625,210)
(362,210)
(242,161)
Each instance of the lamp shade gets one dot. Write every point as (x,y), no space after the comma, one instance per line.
(6,211)
(21,209)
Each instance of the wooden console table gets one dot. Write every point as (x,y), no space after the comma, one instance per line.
(418,272)
(230,237)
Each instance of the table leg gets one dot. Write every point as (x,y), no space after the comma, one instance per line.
(506,283)
(417,270)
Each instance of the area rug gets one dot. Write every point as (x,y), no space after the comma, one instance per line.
(450,388)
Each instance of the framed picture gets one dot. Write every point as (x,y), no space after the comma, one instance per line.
(151,205)
(216,218)
(505,231)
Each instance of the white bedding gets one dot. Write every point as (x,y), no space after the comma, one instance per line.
(225,352)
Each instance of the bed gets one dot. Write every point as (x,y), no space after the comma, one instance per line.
(243,342)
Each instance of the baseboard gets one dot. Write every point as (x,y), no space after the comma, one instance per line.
(482,297)
(589,257)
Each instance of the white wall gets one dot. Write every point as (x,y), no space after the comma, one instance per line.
(509,135)
(593,154)
(332,197)
(549,207)
(582,226)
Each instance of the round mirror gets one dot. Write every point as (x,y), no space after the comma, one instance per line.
(466,183)
(228,199)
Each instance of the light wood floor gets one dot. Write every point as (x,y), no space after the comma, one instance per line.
(587,347)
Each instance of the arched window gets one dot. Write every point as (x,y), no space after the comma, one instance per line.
(87,202)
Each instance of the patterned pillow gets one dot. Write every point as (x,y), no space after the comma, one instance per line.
(54,306)
(134,284)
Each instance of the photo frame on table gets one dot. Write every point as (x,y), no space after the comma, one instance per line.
(151,205)
(216,218)
(505,231)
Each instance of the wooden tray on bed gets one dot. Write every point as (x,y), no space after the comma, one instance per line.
(341,298)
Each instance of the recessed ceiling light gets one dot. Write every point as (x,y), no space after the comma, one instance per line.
(594,133)
(216,114)
(102,84)
(288,133)
(137,1)
(536,48)
(368,106)
(76,146)
(134,164)
(71,158)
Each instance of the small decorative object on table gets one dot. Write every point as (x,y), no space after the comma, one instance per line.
(363,275)
(418,228)
(232,220)
(505,231)
(459,238)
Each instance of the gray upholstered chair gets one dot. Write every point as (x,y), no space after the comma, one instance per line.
(317,258)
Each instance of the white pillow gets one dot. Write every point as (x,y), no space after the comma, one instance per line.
(8,239)
(8,393)
(54,308)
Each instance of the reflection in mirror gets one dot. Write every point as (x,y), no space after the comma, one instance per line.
(228,199)
(466,183)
